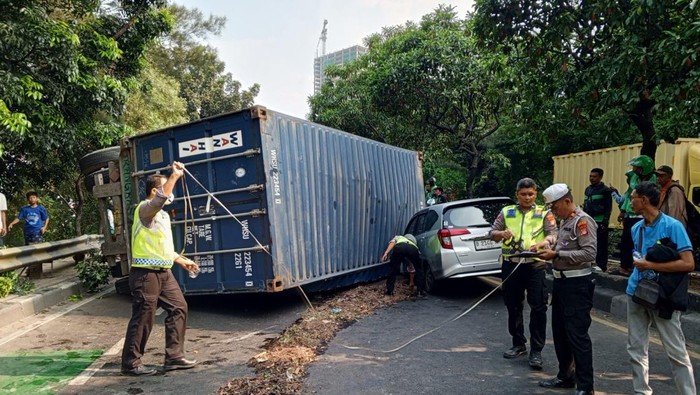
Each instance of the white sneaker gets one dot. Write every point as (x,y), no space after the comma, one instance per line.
(597,269)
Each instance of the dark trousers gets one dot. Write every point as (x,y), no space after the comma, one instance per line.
(531,279)
(601,257)
(572,300)
(33,238)
(151,289)
(400,252)
(626,243)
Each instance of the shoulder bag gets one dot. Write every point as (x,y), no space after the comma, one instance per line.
(647,292)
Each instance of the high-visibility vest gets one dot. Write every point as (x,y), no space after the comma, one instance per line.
(152,248)
(401,239)
(528,229)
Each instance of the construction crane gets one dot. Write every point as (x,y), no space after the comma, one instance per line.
(322,39)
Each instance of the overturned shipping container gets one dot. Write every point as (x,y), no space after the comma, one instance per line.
(315,206)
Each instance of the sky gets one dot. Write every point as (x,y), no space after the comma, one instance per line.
(273,42)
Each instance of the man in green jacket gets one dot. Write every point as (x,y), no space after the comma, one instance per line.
(642,170)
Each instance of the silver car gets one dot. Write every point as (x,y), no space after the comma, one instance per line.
(453,238)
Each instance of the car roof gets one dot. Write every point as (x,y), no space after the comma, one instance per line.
(464,202)
(473,200)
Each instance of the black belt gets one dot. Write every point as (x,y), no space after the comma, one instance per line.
(155,270)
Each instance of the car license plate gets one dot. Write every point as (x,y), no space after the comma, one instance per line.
(485,244)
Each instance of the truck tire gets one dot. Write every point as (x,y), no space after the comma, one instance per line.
(97,160)
(90,178)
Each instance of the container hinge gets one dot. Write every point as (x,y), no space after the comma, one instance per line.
(258,112)
(258,213)
(276,284)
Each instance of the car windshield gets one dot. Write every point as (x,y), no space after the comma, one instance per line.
(474,215)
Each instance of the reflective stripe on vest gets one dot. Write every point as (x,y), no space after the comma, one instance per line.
(528,228)
(152,248)
(401,239)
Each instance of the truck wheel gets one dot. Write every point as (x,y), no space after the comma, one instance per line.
(90,178)
(96,160)
(122,286)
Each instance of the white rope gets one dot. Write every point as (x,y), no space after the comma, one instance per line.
(211,196)
(462,314)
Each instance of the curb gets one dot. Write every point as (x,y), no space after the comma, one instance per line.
(25,306)
(610,297)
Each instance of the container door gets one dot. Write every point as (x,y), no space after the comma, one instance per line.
(226,238)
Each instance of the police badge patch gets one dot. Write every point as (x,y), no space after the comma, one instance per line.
(582,227)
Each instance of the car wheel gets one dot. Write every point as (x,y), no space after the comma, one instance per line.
(429,278)
(96,160)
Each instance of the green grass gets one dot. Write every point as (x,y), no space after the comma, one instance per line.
(42,372)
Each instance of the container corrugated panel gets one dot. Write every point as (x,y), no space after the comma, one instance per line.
(573,169)
(323,202)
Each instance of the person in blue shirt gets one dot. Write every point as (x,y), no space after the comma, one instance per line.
(654,227)
(36,219)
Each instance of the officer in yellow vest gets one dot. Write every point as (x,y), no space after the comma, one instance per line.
(520,227)
(152,283)
(404,248)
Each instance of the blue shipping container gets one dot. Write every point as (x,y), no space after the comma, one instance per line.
(323,202)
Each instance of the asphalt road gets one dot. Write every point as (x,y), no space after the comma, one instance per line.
(223,333)
(465,356)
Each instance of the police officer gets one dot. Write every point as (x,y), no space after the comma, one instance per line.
(400,248)
(520,227)
(152,283)
(572,294)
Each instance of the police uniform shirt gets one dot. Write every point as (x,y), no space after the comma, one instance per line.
(577,242)
(549,223)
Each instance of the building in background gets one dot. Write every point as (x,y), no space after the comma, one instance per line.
(341,57)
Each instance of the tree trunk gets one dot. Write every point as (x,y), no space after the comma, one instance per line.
(473,169)
(643,118)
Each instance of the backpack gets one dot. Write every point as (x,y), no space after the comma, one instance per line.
(693,227)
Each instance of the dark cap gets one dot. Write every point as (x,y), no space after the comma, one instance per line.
(664,170)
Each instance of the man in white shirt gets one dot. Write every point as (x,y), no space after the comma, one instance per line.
(3,218)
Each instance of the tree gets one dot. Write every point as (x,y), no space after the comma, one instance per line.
(636,57)
(64,71)
(205,87)
(155,104)
(431,78)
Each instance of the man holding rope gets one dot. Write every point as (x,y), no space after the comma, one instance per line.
(572,294)
(151,281)
(520,227)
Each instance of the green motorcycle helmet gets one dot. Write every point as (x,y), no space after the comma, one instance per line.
(644,162)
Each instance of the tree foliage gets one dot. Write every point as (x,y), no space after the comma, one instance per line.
(427,83)
(636,58)
(65,70)
(155,103)
(204,85)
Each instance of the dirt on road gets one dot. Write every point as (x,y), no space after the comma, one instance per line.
(282,367)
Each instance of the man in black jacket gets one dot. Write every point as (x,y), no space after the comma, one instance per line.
(597,203)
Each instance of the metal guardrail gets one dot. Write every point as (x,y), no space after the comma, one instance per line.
(19,257)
